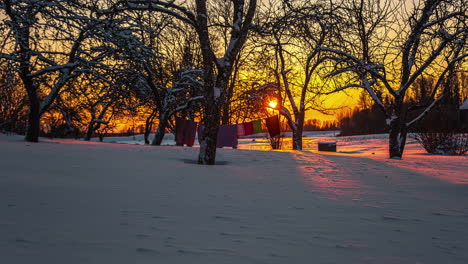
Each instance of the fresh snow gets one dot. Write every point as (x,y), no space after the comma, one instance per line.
(70,201)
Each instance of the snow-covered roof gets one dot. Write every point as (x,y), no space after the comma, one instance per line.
(464,106)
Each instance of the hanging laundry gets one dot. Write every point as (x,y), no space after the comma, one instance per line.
(190,132)
(257,126)
(273,126)
(227,136)
(185,132)
(180,131)
(240,130)
(248,128)
(245,129)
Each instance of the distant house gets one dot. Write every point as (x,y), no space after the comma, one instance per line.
(464,113)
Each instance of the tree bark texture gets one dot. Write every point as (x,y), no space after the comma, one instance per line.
(398,130)
(159,135)
(209,136)
(89,132)
(297,139)
(33,128)
(397,141)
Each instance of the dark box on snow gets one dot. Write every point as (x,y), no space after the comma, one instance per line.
(327,146)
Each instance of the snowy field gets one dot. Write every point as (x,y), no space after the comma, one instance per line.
(67,201)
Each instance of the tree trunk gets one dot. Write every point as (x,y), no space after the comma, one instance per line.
(209,136)
(397,139)
(146,135)
(34,117)
(297,138)
(159,135)
(297,132)
(398,129)
(89,132)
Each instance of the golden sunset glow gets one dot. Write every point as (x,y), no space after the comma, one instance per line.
(273,104)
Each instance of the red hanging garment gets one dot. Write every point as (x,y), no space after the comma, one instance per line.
(248,128)
(180,131)
(240,130)
(190,132)
(273,125)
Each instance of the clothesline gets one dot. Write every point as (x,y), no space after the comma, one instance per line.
(227,134)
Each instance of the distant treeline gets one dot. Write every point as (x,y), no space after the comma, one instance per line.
(318,125)
(367,118)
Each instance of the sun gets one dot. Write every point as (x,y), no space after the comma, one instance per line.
(272,104)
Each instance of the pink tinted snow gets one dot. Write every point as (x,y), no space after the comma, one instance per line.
(66,201)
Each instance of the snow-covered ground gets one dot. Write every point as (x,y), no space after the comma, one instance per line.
(66,201)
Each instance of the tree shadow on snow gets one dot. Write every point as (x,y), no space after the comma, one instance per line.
(218,162)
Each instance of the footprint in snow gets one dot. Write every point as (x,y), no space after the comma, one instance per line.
(146,251)
(391,218)
(188,252)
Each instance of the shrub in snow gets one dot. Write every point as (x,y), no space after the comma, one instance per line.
(443,142)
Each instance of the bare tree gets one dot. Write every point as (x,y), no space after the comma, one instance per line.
(394,49)
(52,42)
(180,96)
(26,20)
(216,69)
(100,101)
(294,34)
(167,82)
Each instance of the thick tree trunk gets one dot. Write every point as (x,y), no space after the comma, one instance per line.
(159,135)
(209,136)
(297,132)
(89,132)
(146,135)
(397,142)
(93,126)
(34,117)
(398,129)
(397,139)
(297,139)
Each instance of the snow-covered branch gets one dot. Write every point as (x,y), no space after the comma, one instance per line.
(167,7)
(186,105)
(434,55)
(54,68)
(360,68)
(425,112)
